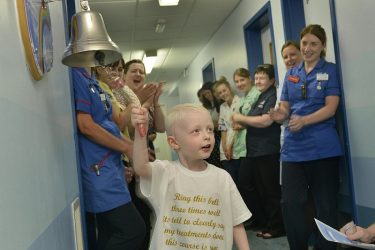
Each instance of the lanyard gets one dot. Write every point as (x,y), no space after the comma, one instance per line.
(94,86)
(96,167)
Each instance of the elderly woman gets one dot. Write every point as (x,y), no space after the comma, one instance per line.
(258,180)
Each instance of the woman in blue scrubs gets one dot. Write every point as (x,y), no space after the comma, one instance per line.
(311,151)
(105,191)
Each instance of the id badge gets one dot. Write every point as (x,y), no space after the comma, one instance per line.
(322,77)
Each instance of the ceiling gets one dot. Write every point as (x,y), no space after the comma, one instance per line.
(188,28)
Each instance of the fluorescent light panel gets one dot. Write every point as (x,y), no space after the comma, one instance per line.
(159,28)
(160,25)
(149,59)
(168,2)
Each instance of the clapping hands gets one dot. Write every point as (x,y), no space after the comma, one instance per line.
(149,93)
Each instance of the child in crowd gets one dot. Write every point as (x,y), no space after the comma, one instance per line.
(197,204)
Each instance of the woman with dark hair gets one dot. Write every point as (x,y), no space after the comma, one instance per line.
(209,101)
(101,145)
(311,151)
(148,96)
(110,79)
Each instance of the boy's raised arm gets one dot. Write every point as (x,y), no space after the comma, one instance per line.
(140,150)
(240,237)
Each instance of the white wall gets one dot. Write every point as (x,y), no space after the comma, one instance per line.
(162,149)
(266,40)
(357,53)
(38,176)
(227,47)
(318,12)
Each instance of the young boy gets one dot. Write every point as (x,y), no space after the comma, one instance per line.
(197,204)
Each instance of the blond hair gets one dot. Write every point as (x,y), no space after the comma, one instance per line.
(178,113)
(223,80)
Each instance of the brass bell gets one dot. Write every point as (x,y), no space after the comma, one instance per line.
(90,44)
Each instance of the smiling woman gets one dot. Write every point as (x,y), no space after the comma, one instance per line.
(229,161)
(258,180)
(245,84)
(148,94)
(291,54)
(311,150)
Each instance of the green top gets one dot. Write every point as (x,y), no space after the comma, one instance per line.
(245,103)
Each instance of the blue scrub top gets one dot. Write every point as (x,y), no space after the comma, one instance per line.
(316,141)
(108,190)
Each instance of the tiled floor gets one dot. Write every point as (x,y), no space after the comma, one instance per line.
(257,243)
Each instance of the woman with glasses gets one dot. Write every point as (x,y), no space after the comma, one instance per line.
(258,180)
(110,79)
(311,150)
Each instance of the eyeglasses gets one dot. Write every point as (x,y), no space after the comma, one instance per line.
(112,76)
(304,91)
(118,70)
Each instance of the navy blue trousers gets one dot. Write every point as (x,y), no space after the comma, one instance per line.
(258,183)
(120,228)
(322,178)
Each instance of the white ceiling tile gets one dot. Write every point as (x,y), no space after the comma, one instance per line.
(189,26)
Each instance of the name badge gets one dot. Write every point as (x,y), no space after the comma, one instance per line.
(102,97)
(261,104)
(294,79)
(322,77)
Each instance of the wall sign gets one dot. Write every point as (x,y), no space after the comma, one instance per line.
(35,25)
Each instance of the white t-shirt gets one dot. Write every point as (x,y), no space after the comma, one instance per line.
(194,210)
(225,123)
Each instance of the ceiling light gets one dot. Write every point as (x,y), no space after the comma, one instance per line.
(160,26)
(168,2)
(149,59)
